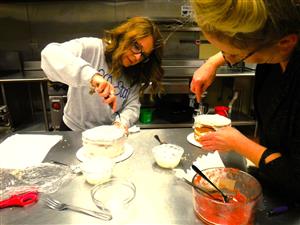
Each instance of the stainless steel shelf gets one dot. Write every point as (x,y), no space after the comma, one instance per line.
(185,68)
(238,119)
(182,29)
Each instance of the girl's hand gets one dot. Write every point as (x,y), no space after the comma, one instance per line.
(105,90)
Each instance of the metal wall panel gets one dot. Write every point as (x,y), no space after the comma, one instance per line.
(161,10)
(15,30)
(27,26)
(67,20)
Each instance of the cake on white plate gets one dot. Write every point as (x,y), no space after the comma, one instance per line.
(106,140)
(208,123)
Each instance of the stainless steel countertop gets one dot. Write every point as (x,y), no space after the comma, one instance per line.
(160,197)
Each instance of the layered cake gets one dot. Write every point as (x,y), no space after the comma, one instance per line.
(106,140)
(208,123)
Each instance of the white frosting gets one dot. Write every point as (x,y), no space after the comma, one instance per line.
(213,120)
(167,155)
(103,133)
(103,141)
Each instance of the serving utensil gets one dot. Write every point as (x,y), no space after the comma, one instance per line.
(159,140)
(104,214)
(180,174)
(199,172)
(74,168)
(199,189)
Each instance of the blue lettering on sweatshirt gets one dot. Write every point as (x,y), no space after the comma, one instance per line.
(120,89)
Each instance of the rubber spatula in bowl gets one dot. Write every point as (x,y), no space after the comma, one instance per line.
(199,172)
(159,140)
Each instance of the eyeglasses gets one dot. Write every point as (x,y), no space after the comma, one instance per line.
(138,49)
(239,61)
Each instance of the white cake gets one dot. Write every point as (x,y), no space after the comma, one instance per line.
(106,140)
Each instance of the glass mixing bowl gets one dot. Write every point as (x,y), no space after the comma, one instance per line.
(114,195)
(243,189)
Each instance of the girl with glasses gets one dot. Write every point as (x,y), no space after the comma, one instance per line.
(265,32)
(107,76)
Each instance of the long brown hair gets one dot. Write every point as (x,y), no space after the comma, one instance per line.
(119,39)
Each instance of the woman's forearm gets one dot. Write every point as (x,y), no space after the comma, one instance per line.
(250,149)
(216,60)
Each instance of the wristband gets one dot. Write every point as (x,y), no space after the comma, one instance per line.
(262,162)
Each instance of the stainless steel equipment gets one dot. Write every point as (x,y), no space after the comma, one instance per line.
(57,93)
(5,118)
(57,104)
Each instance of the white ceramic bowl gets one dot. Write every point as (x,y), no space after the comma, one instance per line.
(97,170)
(167,155)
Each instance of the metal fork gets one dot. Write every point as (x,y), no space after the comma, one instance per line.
(104,214)
(74,168)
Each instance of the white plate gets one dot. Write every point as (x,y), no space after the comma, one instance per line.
(190,138)
(128,150)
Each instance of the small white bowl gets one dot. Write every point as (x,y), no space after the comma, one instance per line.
(97,170)
(167,155)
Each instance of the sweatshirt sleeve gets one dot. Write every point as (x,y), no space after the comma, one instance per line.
(72,62)
(131,108)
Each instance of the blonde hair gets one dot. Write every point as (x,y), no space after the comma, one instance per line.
(245,23)
(120,39)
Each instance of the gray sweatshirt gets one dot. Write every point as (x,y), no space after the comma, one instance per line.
(74,63)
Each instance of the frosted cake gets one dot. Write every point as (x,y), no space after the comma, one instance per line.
(106,140)
(208,123)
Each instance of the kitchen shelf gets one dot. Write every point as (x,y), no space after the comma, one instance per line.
(181,29)
(238,119)
(175,24)
(185,68)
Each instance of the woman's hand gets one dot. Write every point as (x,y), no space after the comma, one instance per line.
(105,90)
(205,75)
(202,79)
(224,139)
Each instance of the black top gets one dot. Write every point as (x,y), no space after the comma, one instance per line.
(277,105)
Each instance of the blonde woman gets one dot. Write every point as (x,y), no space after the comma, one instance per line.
(118,68)
(265,32)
